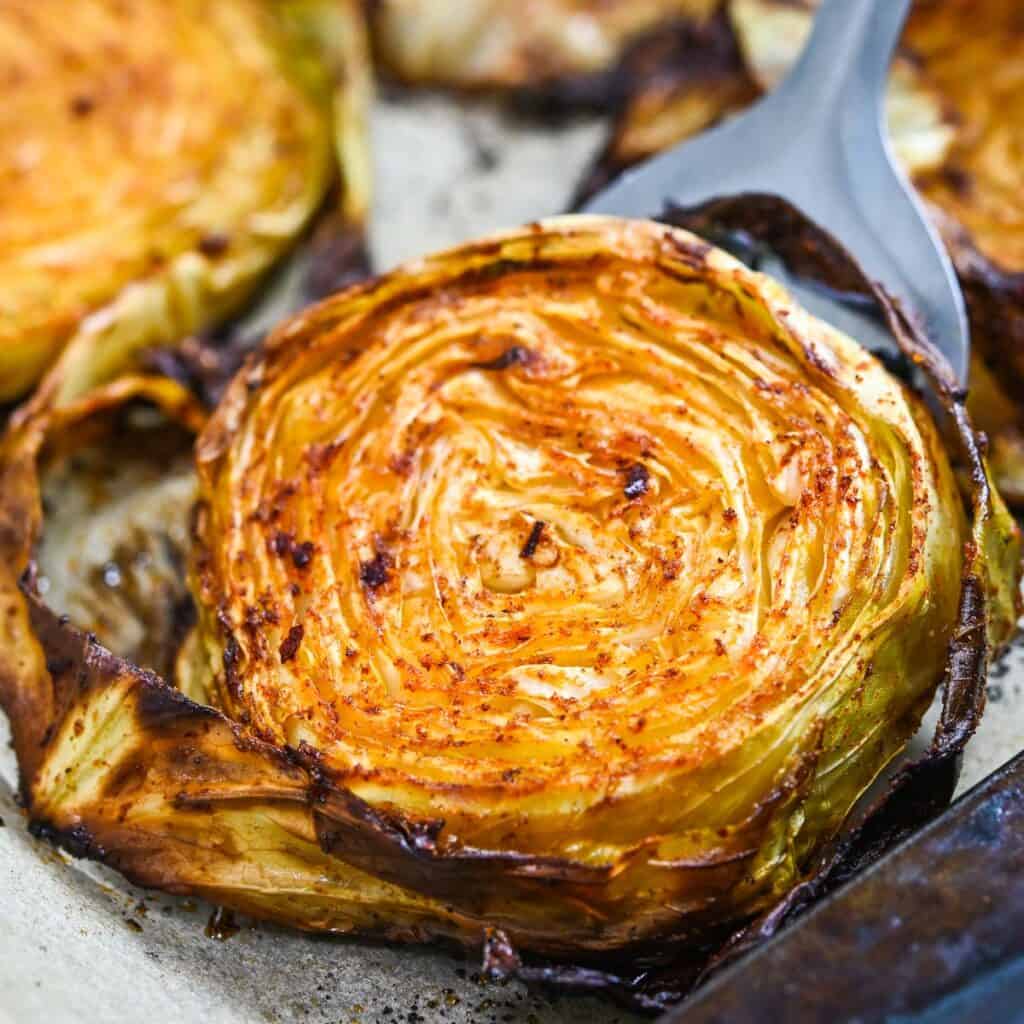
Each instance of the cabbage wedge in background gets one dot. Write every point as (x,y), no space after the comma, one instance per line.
(955,107)
(158,160)
(573,52)
(559,594)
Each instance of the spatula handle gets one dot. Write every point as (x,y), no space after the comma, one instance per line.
(848,57)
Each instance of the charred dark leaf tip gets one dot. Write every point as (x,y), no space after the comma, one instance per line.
(339,258)
(159,706)
(638,481)
(78,840)
(530,547)
(58,666)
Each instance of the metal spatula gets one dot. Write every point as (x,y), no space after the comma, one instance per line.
(819,142)
(931,934)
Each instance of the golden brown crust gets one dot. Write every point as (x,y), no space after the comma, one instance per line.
(363,507)
(145,193)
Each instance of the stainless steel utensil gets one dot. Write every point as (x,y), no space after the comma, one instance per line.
(931,934)
(819,142)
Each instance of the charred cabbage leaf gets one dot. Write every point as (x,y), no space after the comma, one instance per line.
(565,52)
(158,158)
(955,106)
(562,592)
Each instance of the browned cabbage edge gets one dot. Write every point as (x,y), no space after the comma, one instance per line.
(200,763)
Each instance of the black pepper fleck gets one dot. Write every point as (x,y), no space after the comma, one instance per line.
(213,244)
(637,481)
(533,540)
(280,543)
(82,105)
(376,572)
(302,554)
(517,355)
(290,645)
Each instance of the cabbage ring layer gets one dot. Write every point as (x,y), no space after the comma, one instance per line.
(574,583)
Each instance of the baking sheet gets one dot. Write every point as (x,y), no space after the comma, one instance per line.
(77,943)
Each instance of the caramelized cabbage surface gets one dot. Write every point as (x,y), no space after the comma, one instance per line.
(158,158)
(569,586)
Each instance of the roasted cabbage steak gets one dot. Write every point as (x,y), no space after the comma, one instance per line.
(566,589)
